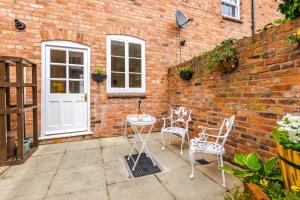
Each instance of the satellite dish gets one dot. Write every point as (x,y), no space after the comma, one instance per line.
(181,19)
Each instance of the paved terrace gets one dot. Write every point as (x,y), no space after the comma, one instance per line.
(93,169)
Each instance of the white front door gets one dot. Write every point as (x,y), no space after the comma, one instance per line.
(66,90)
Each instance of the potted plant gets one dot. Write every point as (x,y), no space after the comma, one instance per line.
(222,58)
(255,174)
(186,73)
(287,137)
(99,75)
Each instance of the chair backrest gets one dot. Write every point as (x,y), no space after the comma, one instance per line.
(180,115)
(225,129)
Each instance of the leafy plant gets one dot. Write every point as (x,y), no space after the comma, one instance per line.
(255,170)
(99,70)
(222,58)
(290,8)
(287,133)
(186,73)
(295,38)
(276,192)
(277,22)
(238,195)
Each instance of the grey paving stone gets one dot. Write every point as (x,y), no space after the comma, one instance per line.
(181,186)
(115,152)
(83,145)
(113,141)
(25,188)
(115,171)
(35,165)
(78,158)
(50,149)
(77,179)
(146,188)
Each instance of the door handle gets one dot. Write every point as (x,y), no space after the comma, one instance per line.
(85,97)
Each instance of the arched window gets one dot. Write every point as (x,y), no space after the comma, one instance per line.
(125,64)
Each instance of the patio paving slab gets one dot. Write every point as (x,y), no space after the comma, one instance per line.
(115,171)
(182,187)
(169,160)
(50,149)
(146,188)
(113,141)
(83,145)
(90,194)
(153,146)
(77,179)
(78,158)
(35,165)
(115,152)
(25,188)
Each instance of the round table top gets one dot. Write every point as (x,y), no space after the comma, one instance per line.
(146,120)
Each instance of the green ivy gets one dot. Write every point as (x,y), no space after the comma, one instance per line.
(186,70)
(290,9)
(222,58)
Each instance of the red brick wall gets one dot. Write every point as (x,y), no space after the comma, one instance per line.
(88,22)
(263,88)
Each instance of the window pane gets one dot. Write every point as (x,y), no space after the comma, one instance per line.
(135,80)
(117,48)
(57,86)
(76,72)
(57,71)
(134,50)
(118,64)
(135,65)
(118,80)
(76,86)
(57,56)
(226,9)
(76,58)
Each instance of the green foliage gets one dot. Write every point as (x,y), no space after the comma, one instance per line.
(277,22)
(99,70)
(186,70)
(276,192)
(238,195)
(281,137)
(254,169)
(290,9)
(222,58)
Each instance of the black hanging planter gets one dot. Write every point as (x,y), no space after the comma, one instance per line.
(186,75)
(99,77)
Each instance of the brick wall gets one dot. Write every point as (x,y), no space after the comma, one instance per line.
(88,22)
(263,88)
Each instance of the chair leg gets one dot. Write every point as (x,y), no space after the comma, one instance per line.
(223,174)
(182,141)
(192,160)
(163,141)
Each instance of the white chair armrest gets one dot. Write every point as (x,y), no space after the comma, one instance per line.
(205,128)
(209,135)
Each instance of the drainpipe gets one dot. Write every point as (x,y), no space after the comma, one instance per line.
(253,26)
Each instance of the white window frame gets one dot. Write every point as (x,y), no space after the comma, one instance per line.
(126,40)
(237,5)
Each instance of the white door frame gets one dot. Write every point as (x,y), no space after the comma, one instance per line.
(65,44)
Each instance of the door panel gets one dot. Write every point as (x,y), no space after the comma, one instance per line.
(66,88)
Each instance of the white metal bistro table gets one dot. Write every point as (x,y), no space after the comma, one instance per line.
(137,126)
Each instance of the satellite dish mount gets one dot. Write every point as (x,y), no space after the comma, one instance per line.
(182,21)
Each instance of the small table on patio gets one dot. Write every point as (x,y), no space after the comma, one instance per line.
(137,126)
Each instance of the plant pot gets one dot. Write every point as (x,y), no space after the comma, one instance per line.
(227,67)
(255,191)
(26,145)
(99,77)
(290,166)
(186,76)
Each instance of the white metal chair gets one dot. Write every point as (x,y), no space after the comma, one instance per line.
(179,125)
(211,144)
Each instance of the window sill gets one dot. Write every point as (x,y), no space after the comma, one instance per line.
(232,19)
(126,95)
